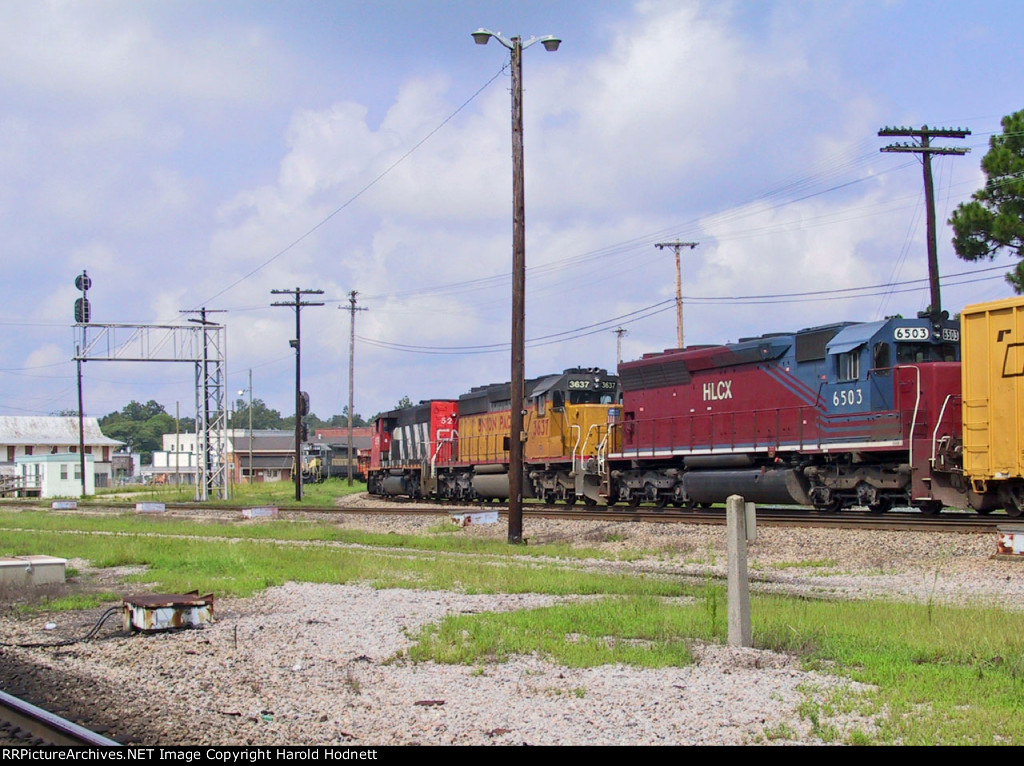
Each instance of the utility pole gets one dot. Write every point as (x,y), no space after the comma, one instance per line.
(619,331)
(926,150)
(298,305)
(517,435)
(679,284)
(351,371)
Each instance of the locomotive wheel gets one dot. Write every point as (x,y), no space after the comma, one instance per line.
(660,503)
(570,499)
(634,501)
(589,501)
(933,507)
(881,506)
(1012,510)
(705,506)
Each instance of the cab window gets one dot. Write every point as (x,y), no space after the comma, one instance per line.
(882,358)
(848,366)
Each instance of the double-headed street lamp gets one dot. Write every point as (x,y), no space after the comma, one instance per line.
(515,455)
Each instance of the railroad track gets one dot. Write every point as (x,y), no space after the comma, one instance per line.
(24,724)
(949,521)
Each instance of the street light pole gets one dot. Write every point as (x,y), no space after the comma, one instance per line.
(517,394)
(250,424)
(296,344)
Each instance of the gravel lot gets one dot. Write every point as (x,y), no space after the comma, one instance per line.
(313,664)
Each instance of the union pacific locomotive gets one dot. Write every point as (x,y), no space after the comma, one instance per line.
(459,449)
(875,414)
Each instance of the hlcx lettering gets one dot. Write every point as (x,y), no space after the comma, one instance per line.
(714,392)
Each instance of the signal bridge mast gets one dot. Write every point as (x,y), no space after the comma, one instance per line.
(204,345)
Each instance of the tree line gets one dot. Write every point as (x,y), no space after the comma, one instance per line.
(142,426)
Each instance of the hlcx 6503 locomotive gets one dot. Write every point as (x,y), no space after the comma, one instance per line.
(877,414)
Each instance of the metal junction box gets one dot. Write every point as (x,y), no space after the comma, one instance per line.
(153,612)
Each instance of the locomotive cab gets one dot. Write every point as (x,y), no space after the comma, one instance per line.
(569,430)
(862,358)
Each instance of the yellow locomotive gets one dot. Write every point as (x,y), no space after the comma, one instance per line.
(567,430)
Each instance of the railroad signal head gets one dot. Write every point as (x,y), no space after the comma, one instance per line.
(82,311)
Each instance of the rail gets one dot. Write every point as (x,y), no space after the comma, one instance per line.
(47,726)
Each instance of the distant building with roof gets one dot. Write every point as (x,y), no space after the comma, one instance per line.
(36,435)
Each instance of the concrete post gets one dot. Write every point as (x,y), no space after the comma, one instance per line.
(739,585)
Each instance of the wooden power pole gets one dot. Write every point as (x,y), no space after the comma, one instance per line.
(679,284)
(351,371)
(923,147)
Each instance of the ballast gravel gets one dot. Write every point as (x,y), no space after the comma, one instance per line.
(323,664)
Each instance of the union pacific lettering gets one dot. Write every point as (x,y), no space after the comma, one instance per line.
(498,421)
(716,392)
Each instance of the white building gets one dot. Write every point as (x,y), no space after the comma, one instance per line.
(177,462)
(56,475)
(39,435)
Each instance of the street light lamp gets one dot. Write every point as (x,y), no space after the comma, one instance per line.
(515,454)
(249,389)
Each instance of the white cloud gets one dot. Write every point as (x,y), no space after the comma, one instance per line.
(112,50)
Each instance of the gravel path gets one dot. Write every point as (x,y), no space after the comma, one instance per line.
(315,664)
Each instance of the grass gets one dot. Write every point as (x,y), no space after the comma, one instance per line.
(238,561)
(279,493)
(437,537)
(807,564)
(71,602)
(938,674)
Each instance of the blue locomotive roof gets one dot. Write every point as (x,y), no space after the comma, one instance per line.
(853,336)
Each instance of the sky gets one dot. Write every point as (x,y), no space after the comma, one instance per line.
(192,154)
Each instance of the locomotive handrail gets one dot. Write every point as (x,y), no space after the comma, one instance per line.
(440,441)
(602,449)
(576,446)
(586,439)
(650,425)
(917,406)
(938,423)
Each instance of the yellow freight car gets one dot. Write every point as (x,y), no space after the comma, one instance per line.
(992,346)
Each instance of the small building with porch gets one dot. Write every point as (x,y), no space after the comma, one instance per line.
(54,475)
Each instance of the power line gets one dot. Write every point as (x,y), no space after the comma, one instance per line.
(363,190)
(848,293)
